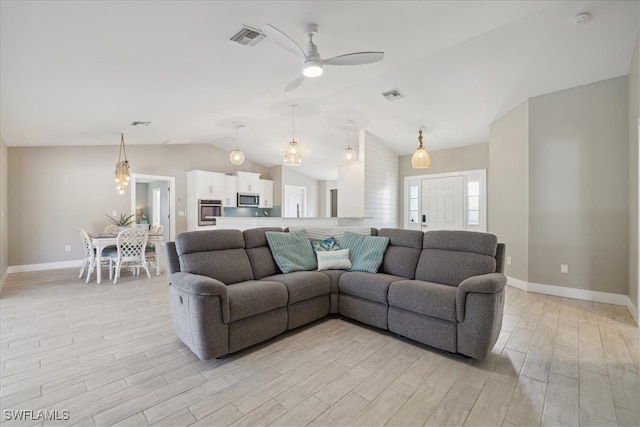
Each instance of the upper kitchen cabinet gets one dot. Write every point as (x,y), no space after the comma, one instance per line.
(248,182)
(207,184)
(231,189)
(266,193)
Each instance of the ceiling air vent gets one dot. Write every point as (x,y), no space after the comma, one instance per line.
(247,36)
(393,95)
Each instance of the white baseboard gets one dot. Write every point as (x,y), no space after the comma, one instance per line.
(44,266)
(561,291)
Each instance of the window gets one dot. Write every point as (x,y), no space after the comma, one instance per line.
(414,195)
(473,203)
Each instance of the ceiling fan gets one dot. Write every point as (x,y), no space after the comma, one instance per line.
(312,62)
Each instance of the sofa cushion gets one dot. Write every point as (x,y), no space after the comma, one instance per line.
(218,254)
(369,286)
(328,244)
(317,234)
(255,297)
(466,241)
(334,278)
(292,251)
(367,252)
(333,260)
(260,257)
(430,299)
(401,257)
(302,285)
(452,267)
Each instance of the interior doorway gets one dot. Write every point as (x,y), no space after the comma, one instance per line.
(295,201)
(154,198)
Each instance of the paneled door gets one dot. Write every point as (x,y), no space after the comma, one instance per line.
(442,203)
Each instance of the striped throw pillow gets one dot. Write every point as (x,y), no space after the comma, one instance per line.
(367,252)
(292,251)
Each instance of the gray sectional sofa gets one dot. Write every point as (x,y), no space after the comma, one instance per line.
(440,288)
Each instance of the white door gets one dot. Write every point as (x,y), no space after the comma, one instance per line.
(295,201)
(443,203)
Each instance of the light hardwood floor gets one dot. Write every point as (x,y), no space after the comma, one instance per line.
(108,356)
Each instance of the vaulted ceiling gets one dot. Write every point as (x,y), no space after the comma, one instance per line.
(80,72)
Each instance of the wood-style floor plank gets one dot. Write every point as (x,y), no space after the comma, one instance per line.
(108,355)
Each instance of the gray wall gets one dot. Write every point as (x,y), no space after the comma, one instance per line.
(634,121)
(469,157)
(559,186)
(55,190)
(579,187)
(508,187)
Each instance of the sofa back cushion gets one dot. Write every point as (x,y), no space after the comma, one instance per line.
(260,257)
(449,257)
(219,254)
(401,257)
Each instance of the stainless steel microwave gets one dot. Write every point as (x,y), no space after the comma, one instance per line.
(248,200)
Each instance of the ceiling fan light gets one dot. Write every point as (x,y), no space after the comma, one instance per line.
(312,68)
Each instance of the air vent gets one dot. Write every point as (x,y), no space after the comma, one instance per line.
(393,95)
(137,123)
(247,36)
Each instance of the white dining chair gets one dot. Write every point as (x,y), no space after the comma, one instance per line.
(89,262)
(131,245)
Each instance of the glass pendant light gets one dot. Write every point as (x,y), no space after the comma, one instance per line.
(293,152)
(348,154)
(237,156)
(421,158)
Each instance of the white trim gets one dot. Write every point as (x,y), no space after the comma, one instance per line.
(561,291)
(44,266)
(172,197)
(517,283)
(633,310)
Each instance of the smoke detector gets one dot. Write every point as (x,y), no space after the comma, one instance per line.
(581,19)
(247,36)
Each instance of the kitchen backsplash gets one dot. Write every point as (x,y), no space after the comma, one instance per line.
(252,212)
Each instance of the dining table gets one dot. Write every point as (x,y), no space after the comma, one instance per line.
(102,240)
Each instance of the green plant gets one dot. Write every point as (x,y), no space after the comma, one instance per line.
(124,220)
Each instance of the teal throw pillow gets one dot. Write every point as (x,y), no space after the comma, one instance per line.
(292,251)
(329,244)
(367,252)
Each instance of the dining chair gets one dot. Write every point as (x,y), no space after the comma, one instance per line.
(89,262)
(111,228)
(131,244)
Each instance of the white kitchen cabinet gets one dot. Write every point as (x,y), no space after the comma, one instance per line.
(231,189)
(248,182)
(209,185)
(266,193)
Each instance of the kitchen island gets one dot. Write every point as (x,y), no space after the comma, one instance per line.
(243,223)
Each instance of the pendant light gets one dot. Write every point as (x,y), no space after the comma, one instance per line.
(421,158)
(237,156)
(122,167)
(348,154)
(293,153)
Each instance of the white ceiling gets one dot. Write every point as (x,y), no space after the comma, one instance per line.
(79,72)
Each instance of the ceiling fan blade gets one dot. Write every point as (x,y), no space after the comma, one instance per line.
(281,39)
(293,84)
(358,58)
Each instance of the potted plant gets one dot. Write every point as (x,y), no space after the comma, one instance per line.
(123,222)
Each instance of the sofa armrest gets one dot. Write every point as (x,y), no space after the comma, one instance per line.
(485,284)
(203,286)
